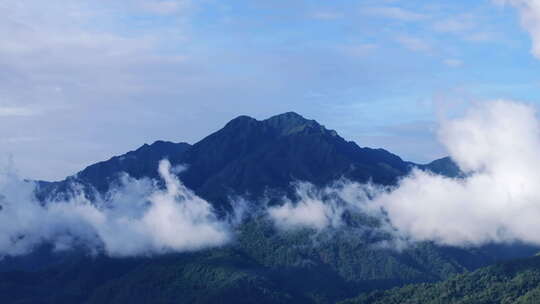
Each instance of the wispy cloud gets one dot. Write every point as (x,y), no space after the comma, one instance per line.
(16,111)
(73,59)
(455,24)
(361,49)
(454,63)
(466,26)
(414,43)
(393,12)
(326,15)
(530,19)
(166,7)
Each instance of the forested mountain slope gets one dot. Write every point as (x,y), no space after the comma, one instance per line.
(514,282)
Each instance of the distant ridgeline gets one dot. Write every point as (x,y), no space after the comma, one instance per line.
(248,157)
(252,159)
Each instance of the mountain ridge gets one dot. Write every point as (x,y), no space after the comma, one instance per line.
(263,263)
(249,157)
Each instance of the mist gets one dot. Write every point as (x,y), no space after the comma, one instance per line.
(135,218)
(323,208)
(496,144)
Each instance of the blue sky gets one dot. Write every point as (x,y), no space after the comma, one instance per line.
(84,80)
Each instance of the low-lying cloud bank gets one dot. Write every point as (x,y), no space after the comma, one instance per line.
(137,218)
(496,143)
(324,208)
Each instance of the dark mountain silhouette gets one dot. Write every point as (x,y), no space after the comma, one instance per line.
(140,163)
(249,157)
(444,166)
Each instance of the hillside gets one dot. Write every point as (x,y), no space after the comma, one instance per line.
(515,282)
(263,266)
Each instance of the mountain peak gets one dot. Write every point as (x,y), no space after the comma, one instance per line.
(289,116)
(241,120)
(282,124)
(290,123)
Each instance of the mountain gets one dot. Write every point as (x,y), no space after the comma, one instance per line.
(253,158)
(248,157)
(516,282)
(140,163)
(444,166)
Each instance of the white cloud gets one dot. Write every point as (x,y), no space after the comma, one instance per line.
(530,19)
(321,208)
(16,111)
(165,7)
(77,62)
(393,12)
(414,43)
(326,15)
(136,219)
(470,27)
(310,211)
(454,63)
(360,50)
(455,24)
(498,143)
